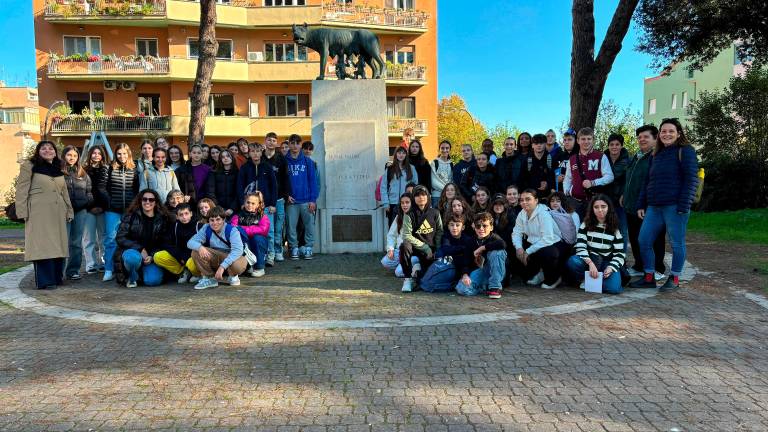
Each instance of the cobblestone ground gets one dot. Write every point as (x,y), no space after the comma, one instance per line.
(695,360)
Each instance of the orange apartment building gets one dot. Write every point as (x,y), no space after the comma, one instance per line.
(19,130)
(131,64)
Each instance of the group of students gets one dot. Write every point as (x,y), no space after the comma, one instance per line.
(544,212)
(208,219)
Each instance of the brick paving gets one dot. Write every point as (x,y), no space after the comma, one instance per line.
(696,360)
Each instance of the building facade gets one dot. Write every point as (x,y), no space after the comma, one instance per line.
(127,66)
(19,130)
(670,95)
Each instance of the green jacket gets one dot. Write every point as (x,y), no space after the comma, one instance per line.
(637,171)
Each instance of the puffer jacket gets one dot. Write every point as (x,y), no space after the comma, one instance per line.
(616,189)
(474,178)
(99,186)
(672,179)
(221,186)
(509,170)
(129,234)
(122,186)
(80,193)
(261,178)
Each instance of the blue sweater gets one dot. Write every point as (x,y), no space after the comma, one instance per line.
(672,179)
(264,180)
(301,173)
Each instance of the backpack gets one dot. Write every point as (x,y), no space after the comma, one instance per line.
(700,185)
(377,191)
(564,221)
(549,162)
(440,277)
(437,165)
(227,231)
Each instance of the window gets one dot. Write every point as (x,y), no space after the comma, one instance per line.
(149,104)
(401,55)
(80,101)
(651,106)
(400,4)
(284,2)
(81,45)
(401,107)
(11,116)
(674,101)
(685,99)
(219,104)
(146,47)
(690,73)
(32,95)
(224,52)
(292,105)
(284,52)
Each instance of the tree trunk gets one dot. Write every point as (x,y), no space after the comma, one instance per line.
(589,74)
(206,62)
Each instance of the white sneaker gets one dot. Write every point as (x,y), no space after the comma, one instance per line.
(131,284)
(407,285)
(634,273)
(582,286)
(552,286)
(258,273)
(537,280)
(185,275)
(194,279)
(206,283)
(108,276)
(233,280)
(658,276)
(279,257)
(416,269)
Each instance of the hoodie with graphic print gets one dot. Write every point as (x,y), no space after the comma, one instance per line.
(423,229)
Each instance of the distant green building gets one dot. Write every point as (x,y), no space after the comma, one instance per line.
(670,95)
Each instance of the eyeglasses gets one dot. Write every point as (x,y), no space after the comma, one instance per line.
(148,199)
(478,226)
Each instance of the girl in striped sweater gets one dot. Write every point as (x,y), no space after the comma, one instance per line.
(599,246)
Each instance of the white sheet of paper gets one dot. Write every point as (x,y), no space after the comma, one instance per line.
(593,285)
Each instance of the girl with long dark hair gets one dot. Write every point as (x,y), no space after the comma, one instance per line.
(96,164)
(81,198)
(396,178)
(222,183)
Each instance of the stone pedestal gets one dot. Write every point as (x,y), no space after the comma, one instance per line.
(349,130)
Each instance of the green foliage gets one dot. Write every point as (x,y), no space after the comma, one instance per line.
(730,128)
(747,226)
(613,119)
(499,133)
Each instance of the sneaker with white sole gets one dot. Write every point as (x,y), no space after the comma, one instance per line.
(131,284)
(194,279)
(91,270)
(205,283)
(634,273)
(294,253)
(415,270)
(233,281)
(74,277)
(658,276)
(582,286)
(536,280)
(279,257)
(184,278)
(552,285)
(407,285)
(270,261)
(108,276)
(308,253)
(258,273)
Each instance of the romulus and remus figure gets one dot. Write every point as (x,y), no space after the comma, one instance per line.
(342,43)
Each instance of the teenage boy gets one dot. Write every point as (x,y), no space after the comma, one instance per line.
(487,147)
(509,167)
(457,248)
(561,160)
(176,256)
(538,172)
(422,234)
(488,263)
(587,171)
(276,159)
(467,161)
(637,172)
(553,147)
(217,248)
(301,201)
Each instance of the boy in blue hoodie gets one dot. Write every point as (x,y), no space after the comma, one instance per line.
(302,199)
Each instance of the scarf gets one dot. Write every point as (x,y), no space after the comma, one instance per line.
(47,168)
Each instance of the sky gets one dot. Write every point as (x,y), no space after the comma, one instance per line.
(508,59)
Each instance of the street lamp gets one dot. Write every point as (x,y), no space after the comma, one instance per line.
(50,108)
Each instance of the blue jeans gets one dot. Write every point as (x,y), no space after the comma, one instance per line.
(93,239)
(488,276)
(75,232)
(151,273)
(275,236)
(111,224)
(621,214)
(576,266)
(258,245)
(656,218)
(293,213)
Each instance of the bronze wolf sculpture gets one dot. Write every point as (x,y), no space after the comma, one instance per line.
(342,43)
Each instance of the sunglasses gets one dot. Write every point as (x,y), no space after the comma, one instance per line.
(148,199)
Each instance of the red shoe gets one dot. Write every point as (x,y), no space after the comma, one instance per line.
(494,293)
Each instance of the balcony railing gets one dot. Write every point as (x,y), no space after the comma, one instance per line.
(120,66)
(406,72)
(110,123)
(102,8)
(398,125)
(359,14)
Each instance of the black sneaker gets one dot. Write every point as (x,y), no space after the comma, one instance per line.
(91,270)
(494,293)
(670,285)
(643,282)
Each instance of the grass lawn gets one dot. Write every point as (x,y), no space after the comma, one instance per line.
(11,267)
(6,224)
(743,226)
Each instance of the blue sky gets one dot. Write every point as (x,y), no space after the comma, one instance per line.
(509,59)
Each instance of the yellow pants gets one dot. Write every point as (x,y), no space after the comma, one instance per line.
(165,260)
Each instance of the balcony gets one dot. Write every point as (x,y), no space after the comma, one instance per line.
(108,67)
(405,74)
(398,125)
(104,11)
(125,125)
(335,13)
(242,126)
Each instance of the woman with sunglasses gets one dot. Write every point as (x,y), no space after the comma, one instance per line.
(140,235)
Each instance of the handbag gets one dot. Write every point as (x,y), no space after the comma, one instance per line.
(10,209)
(249,255)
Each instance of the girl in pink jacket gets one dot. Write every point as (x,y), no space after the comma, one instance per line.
(254,222)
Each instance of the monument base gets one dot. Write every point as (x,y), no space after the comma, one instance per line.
(349,131)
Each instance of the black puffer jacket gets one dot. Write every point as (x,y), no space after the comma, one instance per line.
(474,178)
(99,186)
(122,186)
(130,234)
(80,193)
(509,170)
(221,186)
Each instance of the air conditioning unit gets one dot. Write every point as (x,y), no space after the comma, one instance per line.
(255,56)
(110,85)
(128,85)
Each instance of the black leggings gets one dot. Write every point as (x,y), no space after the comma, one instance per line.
(406,252)
(547,259)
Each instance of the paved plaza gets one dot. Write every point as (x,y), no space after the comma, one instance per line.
(332,345)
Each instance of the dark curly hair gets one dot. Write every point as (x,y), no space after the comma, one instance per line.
(611,220)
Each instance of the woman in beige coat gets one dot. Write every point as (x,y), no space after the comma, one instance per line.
(42,200)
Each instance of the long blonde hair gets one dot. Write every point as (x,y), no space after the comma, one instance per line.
(129,163)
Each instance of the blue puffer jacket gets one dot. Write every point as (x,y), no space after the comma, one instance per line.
(672,179)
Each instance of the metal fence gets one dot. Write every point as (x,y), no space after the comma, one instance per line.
(398,125)
(110,123)
(121,66)
(115,8)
